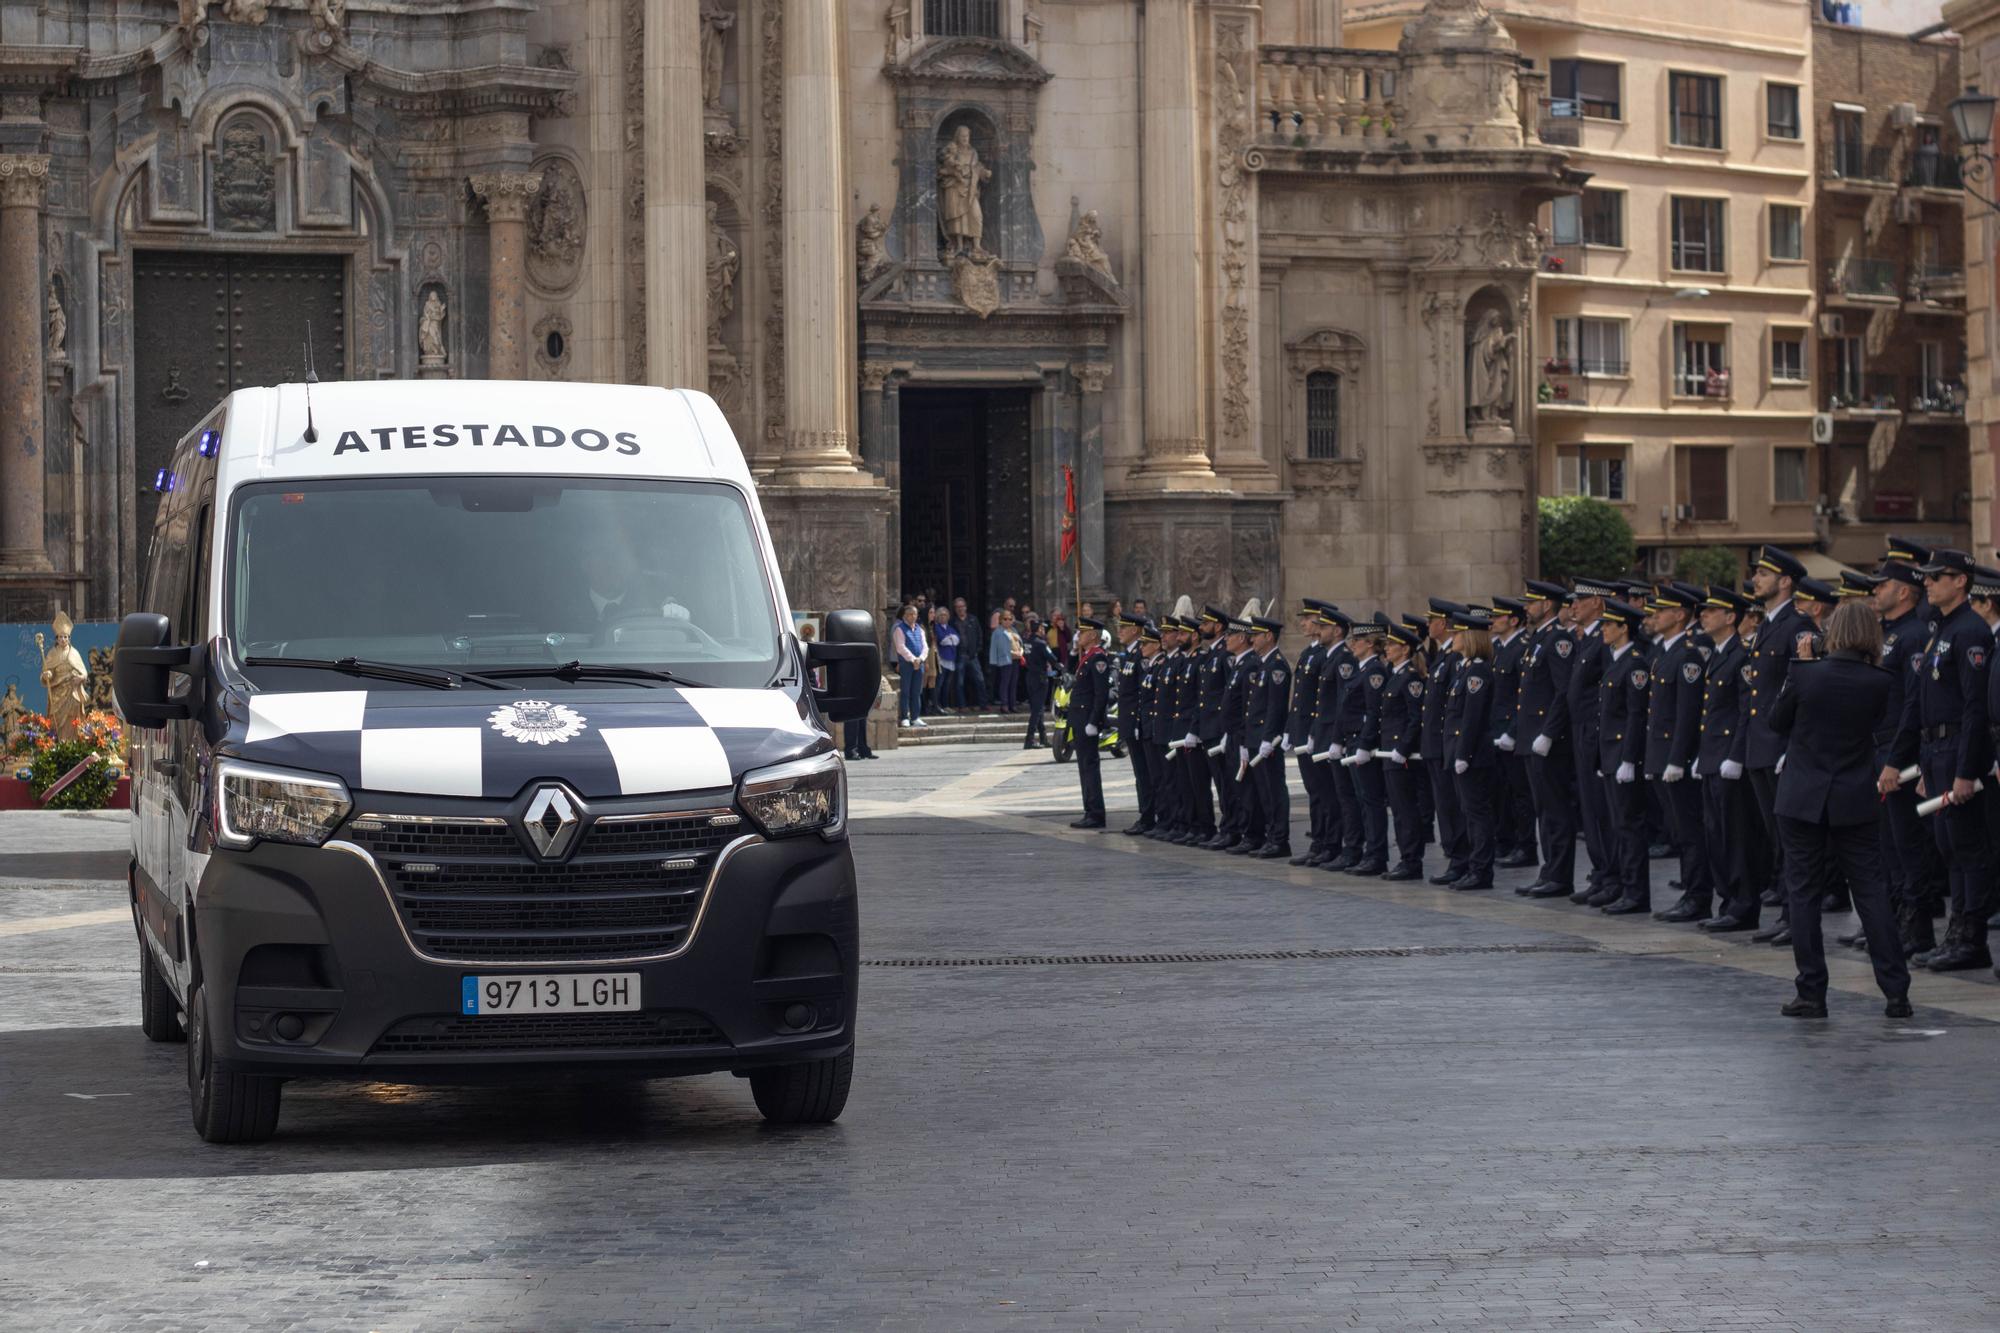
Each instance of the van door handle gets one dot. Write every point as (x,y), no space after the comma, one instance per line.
(167,768)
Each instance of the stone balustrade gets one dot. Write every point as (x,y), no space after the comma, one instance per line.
(1323,96)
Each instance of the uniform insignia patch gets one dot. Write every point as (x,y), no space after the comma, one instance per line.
(1691,672)
(1472,684)
(1705,651)
(1744,673)
(1346,670)
(1375,681)
(1888,651)
(1416,689)
(1976,656)
(1277,677)
(1563,647)
(536,722)
(1639,679)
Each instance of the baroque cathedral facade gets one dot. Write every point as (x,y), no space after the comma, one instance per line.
(1247,309)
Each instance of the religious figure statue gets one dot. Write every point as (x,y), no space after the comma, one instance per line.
(12,710)
(723,261)
(67,681)
(58,327)
(245,11)
(192,13)
(430,328)
(1490,376)
(103,695)
(1086,244)
(329,16)
(715,21)
(871,253)
(960,174)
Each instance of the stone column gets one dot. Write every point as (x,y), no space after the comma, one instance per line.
(24,178)
(1175,444)
(508,195)
(874,383)
(819,267)
(1090,380)
(676,228)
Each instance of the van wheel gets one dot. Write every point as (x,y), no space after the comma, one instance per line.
(813,1093)
(159,1015)
(228,1108)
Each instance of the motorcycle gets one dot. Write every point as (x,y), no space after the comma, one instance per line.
(1109,742)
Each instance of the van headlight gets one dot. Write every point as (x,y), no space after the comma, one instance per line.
(802,796)
(256,804)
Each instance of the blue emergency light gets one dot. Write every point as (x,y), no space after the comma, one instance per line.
(211,441)
(163,481)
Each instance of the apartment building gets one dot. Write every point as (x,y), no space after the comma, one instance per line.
(1888,227)
(1675,336)
(1977,23)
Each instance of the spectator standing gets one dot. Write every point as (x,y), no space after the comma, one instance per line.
(925,618)
(949,693)
(1038,672)
(911,650)
(971,661)
(1061,639)
(1003,654)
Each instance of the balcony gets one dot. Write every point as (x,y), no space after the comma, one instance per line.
(1932,171)
(1856,165)
(1319,96)
(1577,384)
(1696,382)
(1936,289)
(1864,398)
(1933,402)
(1561,122)
(1861,281)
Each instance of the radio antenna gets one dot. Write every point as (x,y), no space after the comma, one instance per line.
(312,378)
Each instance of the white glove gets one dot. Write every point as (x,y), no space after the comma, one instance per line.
(1504,743)
(1218,749)
(1672,773)
(1090,730)
(1242,754)
(1460,766)
(1695,772)
(1338,750)
(1542,746)
(1189,741)
(1730,770)
(1397,755)
(1363,756)
(1264,749)
(1626,773)
(1781,766)
(673,610)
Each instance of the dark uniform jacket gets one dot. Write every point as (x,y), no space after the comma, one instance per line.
(1673,708)
(1264,704)
(1544,681)
(1472,737)
(1508,660)
(1212,694)
(1903,641)
(1829,713)
(1622,687)
(1090,694)
(1581,709)
(1437,699)
(1947,698)
(1336,672)
(1181,697)
(1757,746)
(1374,688)
(1130,666)
(1724,683)
(1351,723)
(1236,699)
(1305,693)
(1144,723)
(1402,720)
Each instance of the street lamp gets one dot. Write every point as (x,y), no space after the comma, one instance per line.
(1972,117)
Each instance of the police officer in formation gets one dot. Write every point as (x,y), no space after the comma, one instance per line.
(1641,719)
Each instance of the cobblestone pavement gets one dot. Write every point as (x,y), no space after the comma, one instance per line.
(1431,1110)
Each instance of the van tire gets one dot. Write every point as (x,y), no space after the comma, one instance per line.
(813,1093)
(228,1108)
(159,1013)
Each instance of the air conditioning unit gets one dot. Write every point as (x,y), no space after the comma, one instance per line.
(1822,428)
(1908,209)
(1660,562)
(1684,513)
(1832,326)
(1904,116)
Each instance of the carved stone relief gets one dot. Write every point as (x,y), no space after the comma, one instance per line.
(723,261)
(871,254)
(556,228)
(246,11)
(771,117)
(552,336)
(246,183)
(716,21)
(1233,72)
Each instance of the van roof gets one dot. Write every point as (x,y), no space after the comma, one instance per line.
(390,427)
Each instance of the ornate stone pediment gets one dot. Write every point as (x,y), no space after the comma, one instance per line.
(970,60)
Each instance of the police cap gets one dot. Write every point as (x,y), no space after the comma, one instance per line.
(1267,625)
(1856,584)
(1898,571)
(1592,587)
(1509,606)
(1945,560)
(1909,552)
(1779,561)
(1812,590)
(1631,617)
(1985,581)
(1539,591)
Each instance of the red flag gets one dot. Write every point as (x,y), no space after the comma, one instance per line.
(1069,516)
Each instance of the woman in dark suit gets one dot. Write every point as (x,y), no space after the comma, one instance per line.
(1827,807)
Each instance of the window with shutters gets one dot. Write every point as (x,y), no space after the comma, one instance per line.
(1596,470)
(1587,88)
(1703,482)
(1695,119)
(1322,414)
(1790,476)
(962,18)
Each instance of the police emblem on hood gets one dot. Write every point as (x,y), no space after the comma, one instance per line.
(536,721)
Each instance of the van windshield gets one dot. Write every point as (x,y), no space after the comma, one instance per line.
(486,573)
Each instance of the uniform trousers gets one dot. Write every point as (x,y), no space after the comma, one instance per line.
(1770,868)
(1594,813)
(1552,779)
(1401,782)
(1274,799)
(1089,776)
(1142,775)
(1190,765)
(1228,804)
(1681,802)
(1811,852)
(1450,820)
(1475,790)
(1317,798)
(1252,818)
(1630,871)
(1426,804)
(1166,791)
(1726,835)
(1919,869)
(1371,794)
(1353,830)
(1962,838)
(1514,804)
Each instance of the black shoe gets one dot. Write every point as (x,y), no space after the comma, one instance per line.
(1581,897)
(1521,890)
(1804,1008)
(1549,891)
(1306,860)
(1086,822)
(1138,827)
(1369,869)
(1860,942)
(1628,907)
(1784,936)
(1898,1007)
(1273,851)
(1472,884)
(1447,879)
(1965,956)
(1770,933)
(1852,939)
(1604,898)
(1834,904)
(870,754)
(1771,898)
(1247,847)
(1339,859)
(1659,851)
(1684,911)
(1726,924)
(1403,874)
(851,756)
(1518,861)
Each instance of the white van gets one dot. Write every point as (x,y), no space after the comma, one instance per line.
(472,740)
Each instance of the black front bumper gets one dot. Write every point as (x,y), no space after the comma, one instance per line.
(307,941)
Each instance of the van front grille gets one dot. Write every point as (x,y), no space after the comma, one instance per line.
(658,1030)
(633,890)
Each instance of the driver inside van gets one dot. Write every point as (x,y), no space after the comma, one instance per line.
(616,589)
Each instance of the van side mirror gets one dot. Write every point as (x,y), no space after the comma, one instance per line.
(852,658)
(142,672)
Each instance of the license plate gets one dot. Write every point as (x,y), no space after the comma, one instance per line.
(549,993)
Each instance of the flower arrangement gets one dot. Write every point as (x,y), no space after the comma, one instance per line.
(103,732)
(37,734)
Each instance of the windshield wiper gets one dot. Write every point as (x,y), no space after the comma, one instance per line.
(439,678)
(597,671)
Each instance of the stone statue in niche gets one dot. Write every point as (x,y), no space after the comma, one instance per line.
(871,252)
(960,174)
(246,196)
(245,11)
(1490,371)
(430,333)
(723,261)
(715,22)
(58,327)
(1086,244)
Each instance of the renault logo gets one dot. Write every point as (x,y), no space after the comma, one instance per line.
(550,822)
